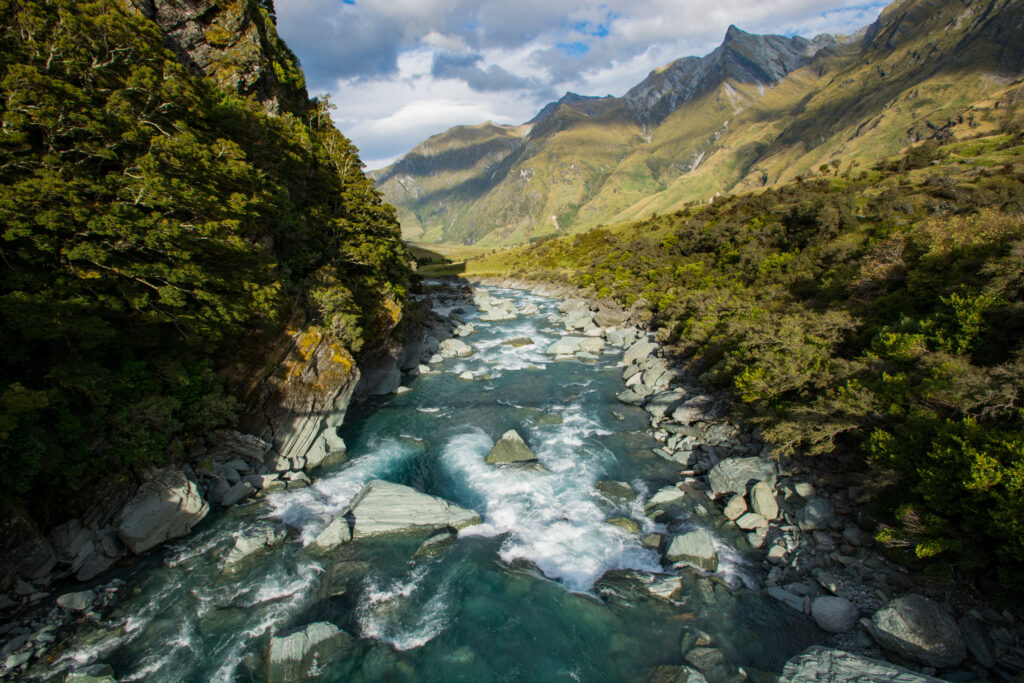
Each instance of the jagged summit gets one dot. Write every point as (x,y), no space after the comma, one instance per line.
(744,57)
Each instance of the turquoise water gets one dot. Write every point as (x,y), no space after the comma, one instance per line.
(514,599)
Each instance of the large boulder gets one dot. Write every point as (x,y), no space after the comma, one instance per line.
(455,348)
(165,507)
(592,345)
(762,500)
(663,403)
(578,320)
(915,627)
(818,664)
(818,513)
(694,547)
(565,346)
(701,408)
(510,450)
(733,475)
(251,542)
(640,350)
(834,614)
(296,656)
(24,551)
(386,508)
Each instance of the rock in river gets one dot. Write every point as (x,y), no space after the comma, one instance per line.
(835,666)
(165,507)
(296,656)
(386,508)
(510,450)
(913,626)
(694,548)
(565,346)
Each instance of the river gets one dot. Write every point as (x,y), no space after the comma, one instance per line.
(516,598)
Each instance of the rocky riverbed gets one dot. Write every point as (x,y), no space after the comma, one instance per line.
(561,441)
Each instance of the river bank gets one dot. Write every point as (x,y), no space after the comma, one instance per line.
(633,495)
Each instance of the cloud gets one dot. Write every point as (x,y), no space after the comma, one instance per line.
(405,65)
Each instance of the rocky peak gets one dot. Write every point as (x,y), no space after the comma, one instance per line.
(742,56)
(234,42)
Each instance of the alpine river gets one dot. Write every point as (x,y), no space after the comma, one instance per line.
(516,598)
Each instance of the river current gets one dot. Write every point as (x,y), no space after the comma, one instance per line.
(516,598)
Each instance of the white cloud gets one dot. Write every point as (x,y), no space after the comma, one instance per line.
(502,61)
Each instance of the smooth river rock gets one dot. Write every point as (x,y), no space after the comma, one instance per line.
(251,542)
(733,475)
(386,508)
(834,614)
(165,507)
(694,547)
(510,450)
(819,664)
(565,346)
(296,656)
(913,626)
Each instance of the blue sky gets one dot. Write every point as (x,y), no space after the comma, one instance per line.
(402,70)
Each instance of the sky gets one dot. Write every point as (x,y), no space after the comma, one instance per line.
(399,71)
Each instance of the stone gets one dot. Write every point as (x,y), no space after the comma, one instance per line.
(518,342)
(915,627)
(640,350)
(386,508)
(695,548)
(736,507)
(652,541)
(979,643)
(834,614)
(246,445)
(667,588)
(665,402)
(762,500)
(751,520)
(251,542)
(624,523)
(630,397)
(818,664)
(565,346)
(77,602)
(619,337)
(616,490)
(549,420)
(700,408)
(578,320)
(708,660)
(786,598)
(757,536)
(467,375)
(165,507)
(818,513)
(733,474)
(664,496)
(854,535)
(17,659)
(94,673)
(455,348)
(297,656)
(24,551)
(435,545)
(667,673)
(591,345)
(95,564)
(510,450)
(237,493)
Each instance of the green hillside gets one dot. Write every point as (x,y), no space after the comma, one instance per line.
(923,70)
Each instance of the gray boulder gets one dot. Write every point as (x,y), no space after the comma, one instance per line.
(386,508)
(733,475)
(915,627)
(165,507)
(455,348)
(77,602)
(592,345)
(834,614)
(616,490)
(510,450)
(518,342)
(630,397)
(640,350)
(565,346)
(667,673)
(435,545)
(664,403)
(94,673)
(296,656)
(237,494)
(578,320)
(251,542)
(762,500)
(664,496)
(736,507)
(620,337)
(24,551)
(694,547)
(819,664)
(818,513)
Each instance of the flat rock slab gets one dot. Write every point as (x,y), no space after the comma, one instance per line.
(913,626)
(694,547)
(823,664)
(385,508)
(510,450)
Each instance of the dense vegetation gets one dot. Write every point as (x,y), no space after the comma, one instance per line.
(881,313)
(153,226)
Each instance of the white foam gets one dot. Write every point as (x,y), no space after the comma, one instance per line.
(387,613)
(552,519)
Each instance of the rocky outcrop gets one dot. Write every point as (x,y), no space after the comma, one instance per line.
(251,542)
(24,551)
(510,450)
(835,666)
(165,507)
(694,547)
(733,475)
(915,627)
(297,656)
(386,508)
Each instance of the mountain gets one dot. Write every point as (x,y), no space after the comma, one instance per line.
(755,112)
